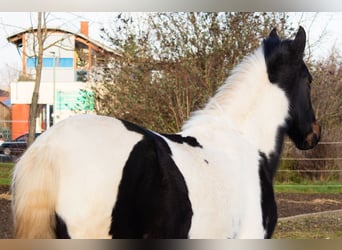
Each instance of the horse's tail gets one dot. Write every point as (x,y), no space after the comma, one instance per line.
(34,190)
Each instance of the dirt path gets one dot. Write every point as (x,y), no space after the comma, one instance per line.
(5,213)
(291,204)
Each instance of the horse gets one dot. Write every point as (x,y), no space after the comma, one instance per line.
(212,180)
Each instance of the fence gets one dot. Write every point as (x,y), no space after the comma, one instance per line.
(314,170)
(319,169)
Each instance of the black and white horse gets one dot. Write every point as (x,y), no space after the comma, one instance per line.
(99,177)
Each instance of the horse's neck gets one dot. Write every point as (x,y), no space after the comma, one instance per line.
(247,103)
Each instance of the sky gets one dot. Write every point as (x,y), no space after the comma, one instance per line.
(12,22)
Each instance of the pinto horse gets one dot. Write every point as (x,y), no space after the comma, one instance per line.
(214,179)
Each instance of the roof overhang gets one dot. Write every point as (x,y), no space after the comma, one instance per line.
(17,39)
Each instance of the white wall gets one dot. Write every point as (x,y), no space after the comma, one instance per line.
(61,75)
(21,92)
(63,47)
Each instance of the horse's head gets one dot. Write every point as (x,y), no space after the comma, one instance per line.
(286,68)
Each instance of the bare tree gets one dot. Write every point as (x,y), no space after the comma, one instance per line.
(176,61)
(41,36)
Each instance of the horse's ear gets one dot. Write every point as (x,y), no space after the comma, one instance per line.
(298,44)
(274,34)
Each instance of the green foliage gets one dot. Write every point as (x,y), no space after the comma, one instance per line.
(6,173)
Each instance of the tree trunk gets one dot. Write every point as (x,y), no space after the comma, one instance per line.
(35,95)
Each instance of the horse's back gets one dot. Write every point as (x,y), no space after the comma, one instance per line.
(116,179)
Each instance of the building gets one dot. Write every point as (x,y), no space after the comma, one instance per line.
(5,115)
(66,86)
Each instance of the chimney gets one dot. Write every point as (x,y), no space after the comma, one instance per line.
(84,28)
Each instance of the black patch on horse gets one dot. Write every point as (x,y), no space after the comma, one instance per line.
(286,68)
(268,204)
(133,127)
(284,61)
(191,141)
(61,228)
(268,166)
(153,199)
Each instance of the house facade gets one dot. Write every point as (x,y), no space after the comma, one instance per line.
(66,84)
(5,115)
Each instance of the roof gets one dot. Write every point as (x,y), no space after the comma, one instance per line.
(4,93)
(16,37)
(5,100)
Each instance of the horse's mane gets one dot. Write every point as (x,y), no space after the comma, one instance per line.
(244,83)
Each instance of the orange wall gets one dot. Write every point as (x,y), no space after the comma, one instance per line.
(20,118)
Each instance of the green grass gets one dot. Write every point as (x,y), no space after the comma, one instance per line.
(309,187)
(5,173)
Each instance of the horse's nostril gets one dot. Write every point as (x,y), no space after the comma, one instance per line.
(310,140)
(316,128)
(313,138)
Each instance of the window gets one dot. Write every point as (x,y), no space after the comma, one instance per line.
(49,62)
(31,62)
(66,62)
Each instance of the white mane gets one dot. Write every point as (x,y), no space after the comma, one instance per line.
(247,102)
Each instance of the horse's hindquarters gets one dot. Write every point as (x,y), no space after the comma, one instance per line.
(91,172)
(74,170)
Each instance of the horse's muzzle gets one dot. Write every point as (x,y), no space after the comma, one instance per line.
(313,137)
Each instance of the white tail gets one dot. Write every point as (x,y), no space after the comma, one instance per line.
(34,189)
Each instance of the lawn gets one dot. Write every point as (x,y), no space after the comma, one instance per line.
(5,173)
(328,187)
